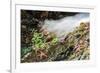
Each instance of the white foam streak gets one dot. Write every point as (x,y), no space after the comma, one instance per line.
(66,24)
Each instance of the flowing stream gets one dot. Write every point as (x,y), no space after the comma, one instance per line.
(65,25)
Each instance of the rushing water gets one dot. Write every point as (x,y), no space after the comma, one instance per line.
(65,25)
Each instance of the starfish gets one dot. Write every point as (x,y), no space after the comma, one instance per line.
(41,54)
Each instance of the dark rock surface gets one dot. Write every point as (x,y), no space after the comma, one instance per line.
(75,46)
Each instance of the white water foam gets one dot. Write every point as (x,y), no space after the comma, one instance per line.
(65,25)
